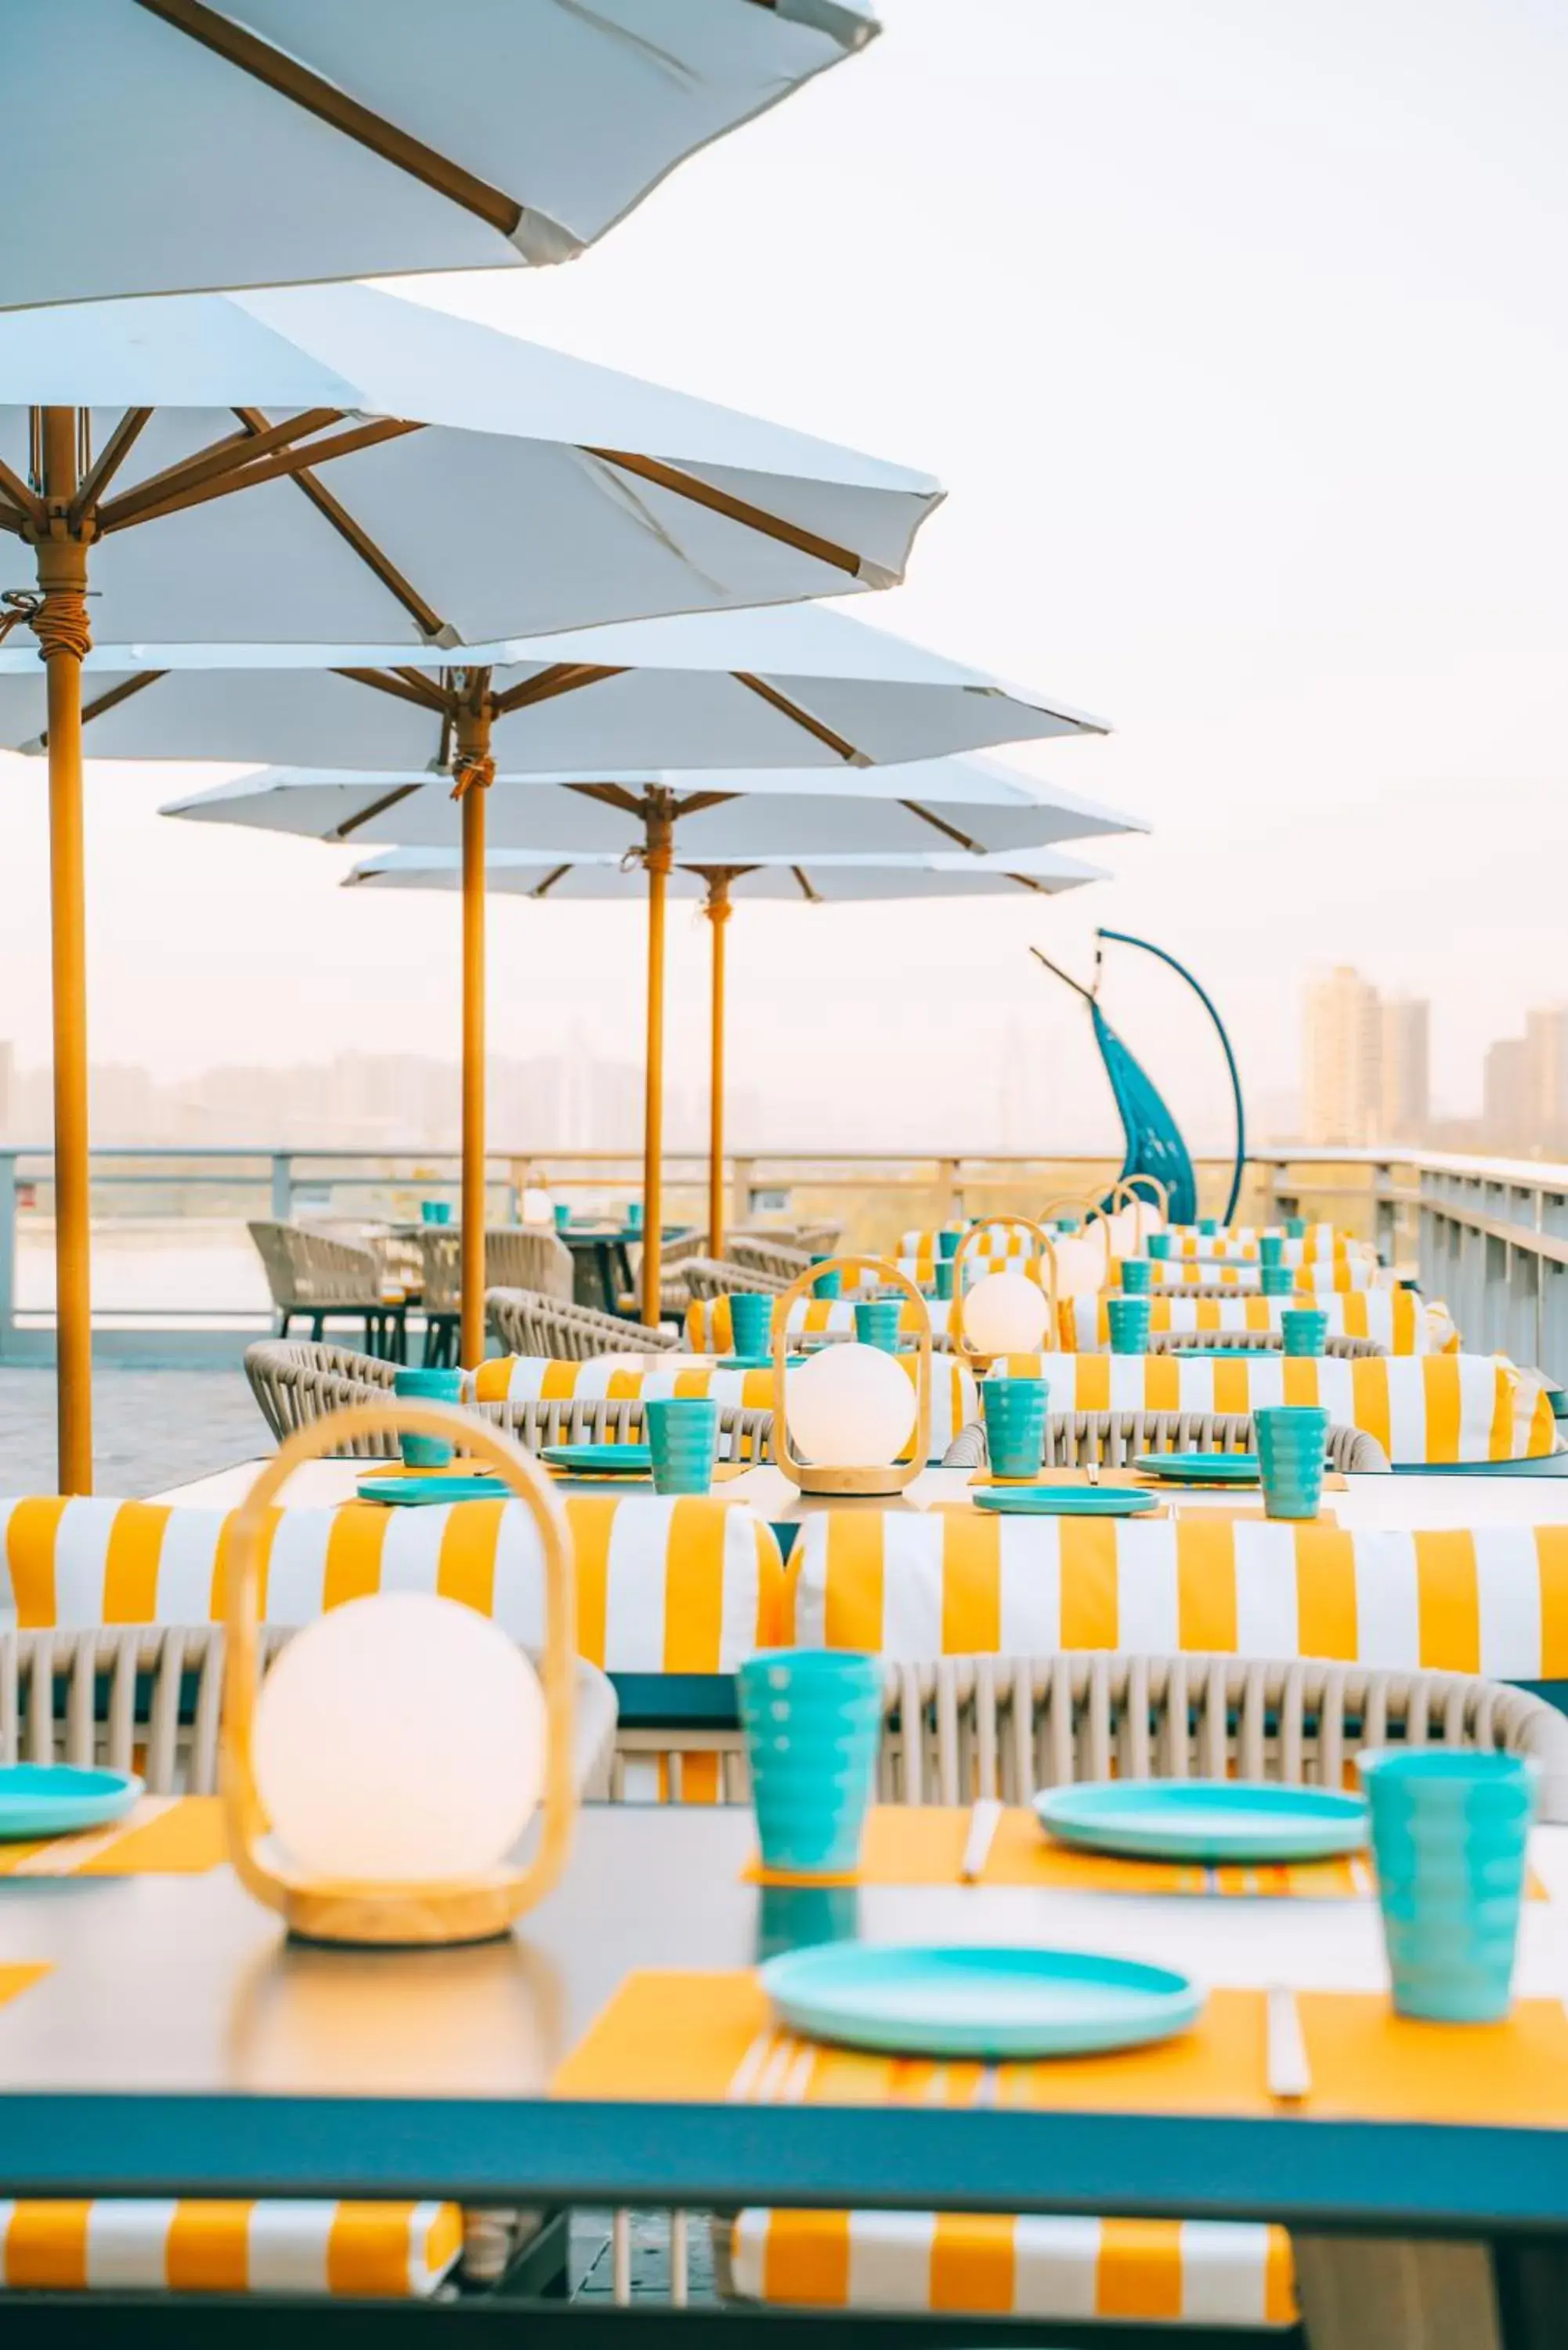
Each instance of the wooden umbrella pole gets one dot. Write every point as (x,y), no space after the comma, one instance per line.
(658,854)
(60,625)
(473,770)
(719,910)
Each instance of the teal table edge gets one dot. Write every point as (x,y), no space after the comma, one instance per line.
(1362,2177)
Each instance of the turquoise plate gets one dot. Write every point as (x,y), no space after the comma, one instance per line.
(976,2002)
(49,1799)
(1200,1468)
(754,1362)
(414,1492)
(600,1459)
(1065,1500)
(1213,1820)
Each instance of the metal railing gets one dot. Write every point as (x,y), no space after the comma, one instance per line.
(1489,1237)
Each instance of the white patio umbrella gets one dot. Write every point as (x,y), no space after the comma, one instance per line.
(332,463)
(808,880)
(725,818)
(795,685)
(170,145)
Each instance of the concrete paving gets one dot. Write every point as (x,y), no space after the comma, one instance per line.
(150,1427)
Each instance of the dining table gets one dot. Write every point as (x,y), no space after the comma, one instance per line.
(160,2035)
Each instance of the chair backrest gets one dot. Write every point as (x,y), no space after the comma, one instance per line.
(528,1323)
(1255,1342)
(776,1258)
(305,1268)
(1004,1726)
(1112,1438)
(149,1698)
(711,1276)
(440,1252)
(529,1258)
(296,1380)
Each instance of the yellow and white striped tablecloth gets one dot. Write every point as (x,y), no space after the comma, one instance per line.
(1395,1319)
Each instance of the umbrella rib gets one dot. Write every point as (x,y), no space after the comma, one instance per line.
(685,485)
(291,80)
(278,467)
(951,830)
(562,677)
(353,824)
(355,535)
(406,685)
(812,897)
(836,743)
(28,505)
(548,883)
(113,698)
(228,455)
(614,795)
(113,455)
(695,801)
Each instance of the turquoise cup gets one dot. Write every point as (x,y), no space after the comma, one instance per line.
(1450,1838)
(1304,1329)
(750,1322)
(1295,1227)
(1278,1280)
(682,1441)
(1159,1246)
(947,1243)
(1271,1248)
(943,1269)
(877,1323)
(827,1284)
(1208,1226)
(562,1215)
(1129,1318)
(634,1215)
(1013,1412)
(1291,1440)
(1137,1276)
(1068,1223)
(435,1212)
(811,1719)
(427,1386)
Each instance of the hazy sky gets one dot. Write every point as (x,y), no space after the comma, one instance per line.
(1236,329)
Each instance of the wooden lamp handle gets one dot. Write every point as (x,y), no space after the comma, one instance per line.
(1047,1249)
(850,1266)
(242,1809)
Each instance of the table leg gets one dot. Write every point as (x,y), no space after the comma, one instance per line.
(1373,2293)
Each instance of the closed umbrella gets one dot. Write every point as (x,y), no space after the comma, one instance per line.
(336,464)
(721,819)
(805,881)
(168,145)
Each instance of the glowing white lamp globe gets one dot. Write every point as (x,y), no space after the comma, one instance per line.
(1006,1313)
(850,1407)
(399,1740)
(536,1207)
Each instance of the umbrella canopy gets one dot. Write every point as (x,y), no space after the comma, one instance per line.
(396,475)
(974,804)
(810,881)
(791,685)
(291,140)
(817,881)
(643,819)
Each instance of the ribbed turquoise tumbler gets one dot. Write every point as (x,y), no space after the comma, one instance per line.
(1013,1412)
(1292,1438)
(877,1323)
(812,1720)
(1137,1276)
(750,1321)
(682,1441)
(1277,1280)
(1450,1838)
(1130,1319)
(1271,1248)
(1304,1329)
(421,1385)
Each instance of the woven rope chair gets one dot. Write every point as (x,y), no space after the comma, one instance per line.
(296,1382)
(707,1276)
(312,1276)
(1255,1342)
(529,1324)
(673,1294)
(779,1259)
(527,1259)
(1112,1438)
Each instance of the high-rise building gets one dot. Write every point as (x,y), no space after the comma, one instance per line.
(1546,1078)
(1406,1046)
(1505,1096)
(1342,1097)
